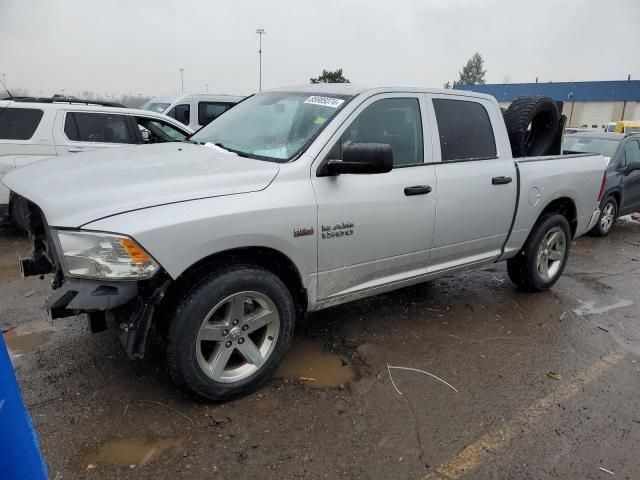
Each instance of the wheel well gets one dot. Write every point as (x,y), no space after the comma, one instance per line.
(616,195)
(565,207)
(267,258)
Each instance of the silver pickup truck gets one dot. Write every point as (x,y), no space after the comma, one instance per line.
(293,201)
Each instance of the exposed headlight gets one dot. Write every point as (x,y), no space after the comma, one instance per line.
(104,255)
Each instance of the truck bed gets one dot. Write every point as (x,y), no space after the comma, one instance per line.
(575,177)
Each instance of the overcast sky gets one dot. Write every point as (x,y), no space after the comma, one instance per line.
(137,46)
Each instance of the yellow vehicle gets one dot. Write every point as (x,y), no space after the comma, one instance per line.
(628,126)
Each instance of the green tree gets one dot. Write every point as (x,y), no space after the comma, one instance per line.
(472,73)
(329,76)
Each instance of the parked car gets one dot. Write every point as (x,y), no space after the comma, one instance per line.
(293,201)
(195,110)
(35,128)
(622,190)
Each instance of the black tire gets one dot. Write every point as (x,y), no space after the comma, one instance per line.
(191,312)
(523,268)
(604,225)
(532,124)
(18,212)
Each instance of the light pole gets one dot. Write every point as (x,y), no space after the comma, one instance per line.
(182,80)
(260,32)
(207,87)
(4,81)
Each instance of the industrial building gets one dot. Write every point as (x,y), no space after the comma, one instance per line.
(586,104)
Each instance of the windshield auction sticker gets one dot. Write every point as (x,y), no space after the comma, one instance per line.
(324,101)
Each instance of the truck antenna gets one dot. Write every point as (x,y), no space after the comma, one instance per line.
(6,89)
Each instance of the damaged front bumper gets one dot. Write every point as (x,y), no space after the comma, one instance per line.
(78,295)
(129,304)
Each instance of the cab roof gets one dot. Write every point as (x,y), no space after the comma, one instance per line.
(354,89)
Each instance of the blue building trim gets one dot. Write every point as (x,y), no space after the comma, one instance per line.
(606,91)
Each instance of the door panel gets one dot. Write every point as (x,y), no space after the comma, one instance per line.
(371,232)
(473,215)
(76,132)
(476,188)
(630,182)
(30,142)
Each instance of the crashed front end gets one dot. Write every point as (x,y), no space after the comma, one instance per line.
(106,275)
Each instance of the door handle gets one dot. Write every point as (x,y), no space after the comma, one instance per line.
(501,180)
(76,149)
(417,190)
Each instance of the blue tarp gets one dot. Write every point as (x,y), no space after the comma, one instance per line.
(20,457)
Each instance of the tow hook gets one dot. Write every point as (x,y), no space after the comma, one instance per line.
(38,266)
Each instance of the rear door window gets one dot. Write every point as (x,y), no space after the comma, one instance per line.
(181,113)
(465,130)
(97,127)
(19,123)
(208,111)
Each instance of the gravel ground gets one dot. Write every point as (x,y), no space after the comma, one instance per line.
(546,385)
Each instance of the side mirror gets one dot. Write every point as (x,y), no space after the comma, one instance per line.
(362,158)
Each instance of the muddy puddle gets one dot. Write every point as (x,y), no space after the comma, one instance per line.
(128,452)
(27,342)
(268,404)
(307,362)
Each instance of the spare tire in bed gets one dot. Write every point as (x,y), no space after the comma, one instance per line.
(532,124)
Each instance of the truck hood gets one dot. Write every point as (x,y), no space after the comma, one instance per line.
(76,189)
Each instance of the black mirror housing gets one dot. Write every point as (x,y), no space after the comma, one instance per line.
(363,158)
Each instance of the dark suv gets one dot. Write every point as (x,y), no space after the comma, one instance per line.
(622,195)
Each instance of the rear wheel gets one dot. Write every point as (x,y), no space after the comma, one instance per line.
(608,215)
(544,256)
(230,332)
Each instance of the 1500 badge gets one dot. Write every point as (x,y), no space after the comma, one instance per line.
(343,229)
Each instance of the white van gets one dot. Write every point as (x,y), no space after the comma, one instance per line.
(192,109)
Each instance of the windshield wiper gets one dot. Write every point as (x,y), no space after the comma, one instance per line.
(232,150)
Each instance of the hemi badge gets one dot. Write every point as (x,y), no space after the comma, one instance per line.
(302,231)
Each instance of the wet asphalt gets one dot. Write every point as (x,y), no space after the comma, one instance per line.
(537,385)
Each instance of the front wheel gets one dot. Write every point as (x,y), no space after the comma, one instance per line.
(229,332)
(608,215)
(542,259)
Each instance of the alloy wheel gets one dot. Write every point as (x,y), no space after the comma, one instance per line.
(607,217)
(237,337)
(551,254)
